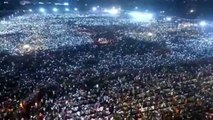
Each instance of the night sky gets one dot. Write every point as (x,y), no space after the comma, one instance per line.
(180,7)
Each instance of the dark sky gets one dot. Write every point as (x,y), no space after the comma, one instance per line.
(178,6)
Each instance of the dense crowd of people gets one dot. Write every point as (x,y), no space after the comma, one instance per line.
(99,67)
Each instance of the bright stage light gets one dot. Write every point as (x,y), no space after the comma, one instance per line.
(55,9)
(67,9)
(42,10)
(150,34)
(66,3)
(168,18)
(26,46)
(203,23)
(94,9)
(192,11)
(76,9)
(113,11)
(30,10)
(141,17)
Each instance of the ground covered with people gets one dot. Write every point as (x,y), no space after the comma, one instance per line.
(104,67)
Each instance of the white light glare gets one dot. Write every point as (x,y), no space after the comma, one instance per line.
(168,18)
(41,3)
(26,46)
(30,10)
(66,3)
(141,17)
(76,9)
(94,9)
(150,34)
(192,11)
(113,11)
(55,10)
(203,23)
(67,9)
(42,10)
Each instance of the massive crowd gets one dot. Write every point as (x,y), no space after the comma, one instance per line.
(99,67)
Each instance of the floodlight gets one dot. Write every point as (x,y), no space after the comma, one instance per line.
(203,23)
(67,9)
(41,3)
(55,9)
(42,10)
(66,3)
(168,18)
(150,34)
(113,11)
(30,10)
(192,11)
(94,9)
(141,17)
(26,46)
(76,9)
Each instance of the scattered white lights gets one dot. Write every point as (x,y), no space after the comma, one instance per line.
(136,8)
(168,19)
(42,10)
(203,23)
(94,9)
(67,9)
(30,10)
(55,9)
(141,17)
(75,9)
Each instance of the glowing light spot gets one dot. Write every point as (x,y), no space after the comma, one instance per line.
(66,3)
(168,19)
(203,23)
(30,10)
(42,10)
(150,34)
(75,9)
(94,9)
(55,10)
(113,11)
(141,17)
(67,9)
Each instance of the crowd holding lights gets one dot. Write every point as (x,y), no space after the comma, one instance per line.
(102,67)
